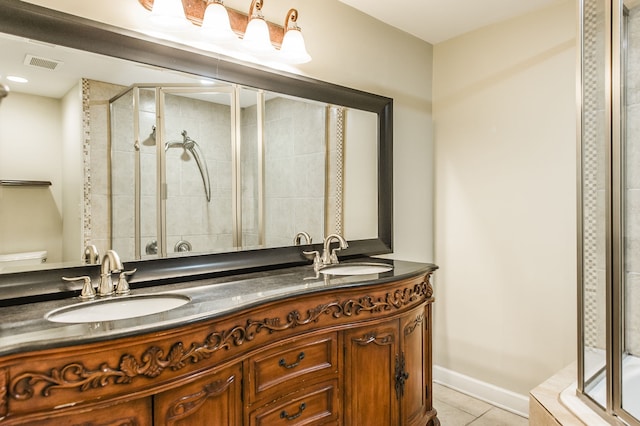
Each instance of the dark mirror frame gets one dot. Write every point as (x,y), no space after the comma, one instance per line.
(39,23)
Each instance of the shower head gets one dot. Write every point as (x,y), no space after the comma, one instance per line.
(4,91)
(188,143)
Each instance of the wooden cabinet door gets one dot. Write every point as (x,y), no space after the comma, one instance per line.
(414,369)
(136,412)
(369,370)
(215,399)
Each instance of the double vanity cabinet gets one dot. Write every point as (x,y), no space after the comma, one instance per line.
(274,348)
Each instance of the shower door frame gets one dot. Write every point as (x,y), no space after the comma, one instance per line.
(614,133)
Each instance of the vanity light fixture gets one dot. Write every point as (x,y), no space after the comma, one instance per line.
(293,50)
(221,29)
(169,14)
(256,38)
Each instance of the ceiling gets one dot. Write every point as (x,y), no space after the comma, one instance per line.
(435,21)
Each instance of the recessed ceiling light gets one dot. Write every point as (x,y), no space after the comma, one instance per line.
(17,79)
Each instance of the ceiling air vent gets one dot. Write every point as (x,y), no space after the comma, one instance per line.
(40,62)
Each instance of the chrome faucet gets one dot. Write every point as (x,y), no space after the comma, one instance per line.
(330,257)
(91,255)
(110,263)
(297,240)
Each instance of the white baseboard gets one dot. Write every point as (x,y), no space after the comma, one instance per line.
(503,398)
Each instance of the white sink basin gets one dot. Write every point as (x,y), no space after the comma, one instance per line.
(117,308)
(356,268)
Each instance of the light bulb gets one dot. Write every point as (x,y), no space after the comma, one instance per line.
(215,24)
(169,14)
(256,37)
(293,49)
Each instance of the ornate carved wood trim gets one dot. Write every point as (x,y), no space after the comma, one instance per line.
(153,361)
(184,406)
(4,383)
(410,328)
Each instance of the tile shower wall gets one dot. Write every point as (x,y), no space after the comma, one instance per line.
(250,178)
(295,152)
(97,95)
(207,226)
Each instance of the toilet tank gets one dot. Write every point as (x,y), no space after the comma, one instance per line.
(11,260)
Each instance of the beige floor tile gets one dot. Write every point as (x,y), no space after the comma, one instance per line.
(498,417)
(460,401)
(451,416)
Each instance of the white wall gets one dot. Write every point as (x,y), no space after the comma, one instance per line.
(31,217)
(72,174)
(505,216)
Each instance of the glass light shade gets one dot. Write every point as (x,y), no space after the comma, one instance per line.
(293,49)
(256,37)
(169,14)
(216,25)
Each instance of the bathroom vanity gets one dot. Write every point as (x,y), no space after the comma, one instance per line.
(287,346)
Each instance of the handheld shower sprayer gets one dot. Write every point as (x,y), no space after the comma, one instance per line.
(187,142)
(192,146)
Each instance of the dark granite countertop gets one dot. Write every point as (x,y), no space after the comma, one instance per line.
(24,327)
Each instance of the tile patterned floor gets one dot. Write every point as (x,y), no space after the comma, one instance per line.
(457,409)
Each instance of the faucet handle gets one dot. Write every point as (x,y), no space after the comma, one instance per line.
(87,292)
(123,285)
(334,256)
(315,255)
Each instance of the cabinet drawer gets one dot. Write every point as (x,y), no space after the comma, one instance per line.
(285,368)
(316,405)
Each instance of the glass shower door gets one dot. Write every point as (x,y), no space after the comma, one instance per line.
(594,153)
(197,198)
(628,351)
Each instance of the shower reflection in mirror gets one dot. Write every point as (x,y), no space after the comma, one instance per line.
(169,143)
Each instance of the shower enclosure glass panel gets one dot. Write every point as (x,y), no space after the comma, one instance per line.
(222,168)
(610,250)
(133,195)
(250,155)
(629,351)
(295,152)
(197,146)
(594,154)
(171,170)
(147,172)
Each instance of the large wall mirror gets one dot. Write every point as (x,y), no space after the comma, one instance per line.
(160,151)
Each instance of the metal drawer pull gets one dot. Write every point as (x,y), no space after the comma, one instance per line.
(285,415)
(284,364)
